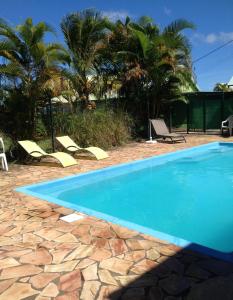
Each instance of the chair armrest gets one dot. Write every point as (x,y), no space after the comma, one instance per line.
(2,145)
(35,151)
(223,123)
(70,147)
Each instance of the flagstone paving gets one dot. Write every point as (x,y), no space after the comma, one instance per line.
(44,258)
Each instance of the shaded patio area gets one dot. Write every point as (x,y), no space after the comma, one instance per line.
(42,257)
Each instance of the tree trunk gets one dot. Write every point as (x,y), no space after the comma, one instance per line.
(154,108)
(32,120)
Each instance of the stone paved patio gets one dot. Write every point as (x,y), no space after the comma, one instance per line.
(42,257)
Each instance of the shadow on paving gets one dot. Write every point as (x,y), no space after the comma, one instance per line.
(187,275)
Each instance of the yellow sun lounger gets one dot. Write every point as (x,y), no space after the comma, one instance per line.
(35,151)
(71,146)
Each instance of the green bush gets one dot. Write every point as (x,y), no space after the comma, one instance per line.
(40,128)
(100,128)
(46,144)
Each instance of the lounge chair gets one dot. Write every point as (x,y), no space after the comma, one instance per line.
(227,125)
(3,156)
(162,131)
(71,146)
(36,152)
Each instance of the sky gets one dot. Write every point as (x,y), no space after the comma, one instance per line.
(213,21)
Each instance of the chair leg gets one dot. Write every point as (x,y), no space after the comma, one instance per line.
(4,163)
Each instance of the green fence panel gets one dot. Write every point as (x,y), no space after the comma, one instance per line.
(213,113)
(179,114)
(205,110)
(196,114)
(227,105)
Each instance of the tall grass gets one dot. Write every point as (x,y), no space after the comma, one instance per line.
(100,128)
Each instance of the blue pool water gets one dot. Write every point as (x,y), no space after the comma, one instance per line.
(185,197)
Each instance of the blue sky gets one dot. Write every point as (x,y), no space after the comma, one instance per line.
(213,20)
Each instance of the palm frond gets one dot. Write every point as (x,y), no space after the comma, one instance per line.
(178,26)
(144,41)
(11,70)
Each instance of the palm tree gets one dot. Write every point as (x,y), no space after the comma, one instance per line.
(222,87)
(157,63)
(174,69)
(85,34)
(29,63)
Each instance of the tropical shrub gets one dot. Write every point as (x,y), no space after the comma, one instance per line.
(101,128)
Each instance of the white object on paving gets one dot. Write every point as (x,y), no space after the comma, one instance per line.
(3,156)
(151,142)
(71,218)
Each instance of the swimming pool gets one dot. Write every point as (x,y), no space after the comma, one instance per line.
(185,197)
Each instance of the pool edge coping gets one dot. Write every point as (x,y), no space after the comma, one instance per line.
(133,226)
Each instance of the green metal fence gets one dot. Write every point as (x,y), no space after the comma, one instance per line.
(203,111)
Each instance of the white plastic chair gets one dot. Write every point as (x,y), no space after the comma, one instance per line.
(3,156)
(227,125)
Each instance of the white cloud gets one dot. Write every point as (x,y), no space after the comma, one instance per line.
(115,15)
(167,11)
(213,37)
